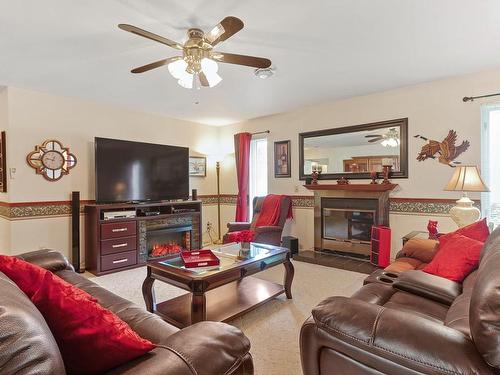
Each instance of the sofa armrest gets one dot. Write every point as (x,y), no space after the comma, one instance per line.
(51,260)
(429,286)
(237,226)
(205,348)
(386,338)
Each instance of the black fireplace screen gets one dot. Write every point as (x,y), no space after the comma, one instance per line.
(342,224)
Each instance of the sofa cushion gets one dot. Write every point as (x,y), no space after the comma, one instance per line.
(456,259)
(485,309)
(82,328)
(26,343)
(420,248)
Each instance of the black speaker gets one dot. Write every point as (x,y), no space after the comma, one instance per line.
(291,243)
(194,194)
(75,231)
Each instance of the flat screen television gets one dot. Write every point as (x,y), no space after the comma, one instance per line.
(135,171)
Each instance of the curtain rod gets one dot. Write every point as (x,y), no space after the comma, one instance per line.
(471,98)
(264,132)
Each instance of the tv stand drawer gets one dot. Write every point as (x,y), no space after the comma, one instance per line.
(118,245)
(118,260)
(121,229)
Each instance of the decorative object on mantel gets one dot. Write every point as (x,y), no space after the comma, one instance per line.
(386,170)
(446,150)
(465,178)
(432,229)
(51,159)
(342,181)
(352,187)
(282,163)
(315,175)
(3,164)
(373,176)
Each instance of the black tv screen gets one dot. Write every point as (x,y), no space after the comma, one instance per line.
(134,171)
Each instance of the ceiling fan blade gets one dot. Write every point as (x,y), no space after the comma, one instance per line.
(156,64)
(230,58)
(203,79)
(149,35)
(372,135)
(224,30)
(375,140)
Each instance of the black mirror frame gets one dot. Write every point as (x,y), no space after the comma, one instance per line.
(402,123)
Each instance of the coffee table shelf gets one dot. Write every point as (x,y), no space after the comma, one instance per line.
(224,303)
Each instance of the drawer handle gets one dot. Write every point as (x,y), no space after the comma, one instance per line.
(119,230)
(119,245)
(120,261)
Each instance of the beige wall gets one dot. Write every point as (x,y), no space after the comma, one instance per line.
(432,108)
(35,117)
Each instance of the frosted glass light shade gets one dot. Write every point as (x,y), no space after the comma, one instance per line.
(178,68)
(209,66)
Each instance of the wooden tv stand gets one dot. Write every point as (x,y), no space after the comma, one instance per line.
(118,244)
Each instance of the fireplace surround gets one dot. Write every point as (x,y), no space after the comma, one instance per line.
(344,215)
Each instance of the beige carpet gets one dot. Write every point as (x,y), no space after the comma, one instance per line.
(273,329)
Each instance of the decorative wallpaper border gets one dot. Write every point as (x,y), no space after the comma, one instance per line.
(412,206)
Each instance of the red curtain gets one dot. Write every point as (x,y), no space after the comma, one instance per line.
(242,156)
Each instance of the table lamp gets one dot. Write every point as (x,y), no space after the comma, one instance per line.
(465,178)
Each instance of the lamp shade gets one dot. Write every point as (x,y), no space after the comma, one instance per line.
(466,178)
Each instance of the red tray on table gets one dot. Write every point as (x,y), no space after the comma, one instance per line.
(199,258)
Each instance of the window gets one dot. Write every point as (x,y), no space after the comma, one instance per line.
(258,169)
(490,162)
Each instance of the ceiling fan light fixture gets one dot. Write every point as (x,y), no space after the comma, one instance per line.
(178,68)
(213,79)
(264,73)
(209,66)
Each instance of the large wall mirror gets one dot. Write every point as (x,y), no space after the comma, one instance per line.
(355,151)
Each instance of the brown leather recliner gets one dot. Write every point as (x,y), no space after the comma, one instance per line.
(270,235)
(421,324)
(28,347)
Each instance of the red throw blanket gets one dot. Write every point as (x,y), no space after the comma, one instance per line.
(271,209)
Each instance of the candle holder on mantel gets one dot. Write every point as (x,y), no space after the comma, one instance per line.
(343,181)
(373,176)
(386,169)
(316,172)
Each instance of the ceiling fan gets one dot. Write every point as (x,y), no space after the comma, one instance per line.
(389,139)
(198,63)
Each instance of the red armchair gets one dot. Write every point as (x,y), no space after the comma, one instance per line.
(270,235)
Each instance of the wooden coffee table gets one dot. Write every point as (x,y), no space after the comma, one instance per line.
(218,294)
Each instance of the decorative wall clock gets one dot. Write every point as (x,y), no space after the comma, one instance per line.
(51,160)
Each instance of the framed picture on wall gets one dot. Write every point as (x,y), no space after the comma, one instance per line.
(282,165)
(197,166)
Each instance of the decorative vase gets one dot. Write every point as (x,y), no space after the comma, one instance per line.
(464,213)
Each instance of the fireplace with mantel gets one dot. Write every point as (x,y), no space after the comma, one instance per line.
(344,215)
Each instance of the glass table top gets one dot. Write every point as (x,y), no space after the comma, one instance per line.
(230,255)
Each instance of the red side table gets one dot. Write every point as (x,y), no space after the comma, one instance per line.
(380,246)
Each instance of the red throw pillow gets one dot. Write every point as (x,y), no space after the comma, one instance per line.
(92,339)
(246,235)
(477,231)
(456,259)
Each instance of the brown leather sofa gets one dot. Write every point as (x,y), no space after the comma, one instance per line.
(28,347)
(421,324)
(270,235)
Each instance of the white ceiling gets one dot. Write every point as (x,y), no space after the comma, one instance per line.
(323,50)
